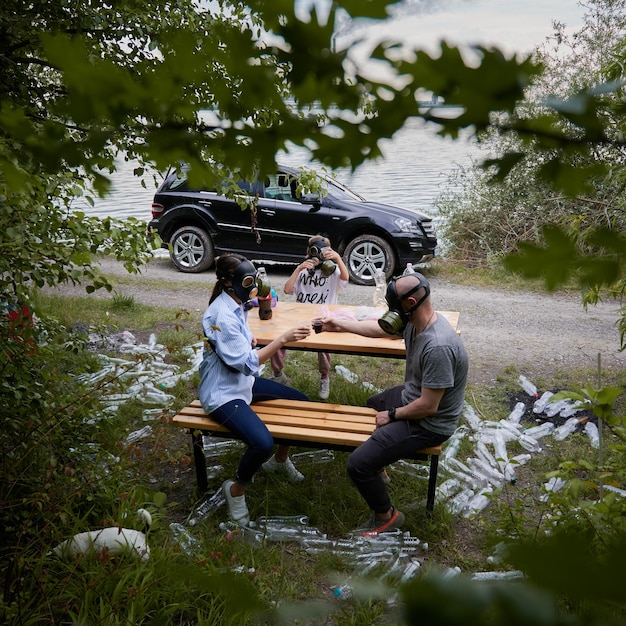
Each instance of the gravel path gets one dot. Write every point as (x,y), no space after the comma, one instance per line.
(537,333)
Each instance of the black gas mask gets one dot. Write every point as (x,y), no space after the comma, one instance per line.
(245,282)
(315,252)
(395,320)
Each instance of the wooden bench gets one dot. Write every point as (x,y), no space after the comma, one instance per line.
(300,423)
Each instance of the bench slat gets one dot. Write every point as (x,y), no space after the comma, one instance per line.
(316,424)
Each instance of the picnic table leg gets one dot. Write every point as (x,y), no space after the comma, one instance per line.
(199,461)
(432,481)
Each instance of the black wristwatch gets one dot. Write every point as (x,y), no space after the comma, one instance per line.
(392,414)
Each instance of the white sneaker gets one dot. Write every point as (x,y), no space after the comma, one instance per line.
(236,505)
(281,378)
(324,388)
(287,468)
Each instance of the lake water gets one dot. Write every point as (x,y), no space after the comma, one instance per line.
(415,169)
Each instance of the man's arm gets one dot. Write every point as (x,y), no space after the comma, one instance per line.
(367,328)
(427,404)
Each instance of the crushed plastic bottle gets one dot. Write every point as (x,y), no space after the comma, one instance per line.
(591,430)
(541,404)
(380,288)
(512,575)
(516,414)
(472,419)
(528,387)
(187,542)
(477,503)
(571,409)
(291,533)
(146,431)
(314,456)
(247,534)
(553,408)
(344,372)
(454,443)
(541,430)
(410,570)
(566,429)
(283,520)
(210,505)
(459,503)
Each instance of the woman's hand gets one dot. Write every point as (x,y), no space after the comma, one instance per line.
(296,333)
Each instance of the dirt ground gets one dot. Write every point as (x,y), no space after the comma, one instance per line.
(537,333)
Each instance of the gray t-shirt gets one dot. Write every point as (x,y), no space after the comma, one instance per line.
(436,359)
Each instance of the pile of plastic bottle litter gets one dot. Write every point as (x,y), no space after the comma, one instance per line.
(469,483)
(465,487)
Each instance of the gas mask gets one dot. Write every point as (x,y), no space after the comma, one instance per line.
(246,283)
(395,320)
(315,252)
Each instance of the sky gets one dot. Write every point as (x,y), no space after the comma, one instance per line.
(511,25)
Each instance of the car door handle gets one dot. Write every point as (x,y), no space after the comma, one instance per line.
(269,212)
(206,203)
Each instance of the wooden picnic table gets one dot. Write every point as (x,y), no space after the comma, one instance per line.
(286,315)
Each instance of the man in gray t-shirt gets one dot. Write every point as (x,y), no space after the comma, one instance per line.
(422,412)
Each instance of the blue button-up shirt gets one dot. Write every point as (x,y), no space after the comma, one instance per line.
(225,326)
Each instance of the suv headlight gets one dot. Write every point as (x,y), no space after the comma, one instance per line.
(406,225)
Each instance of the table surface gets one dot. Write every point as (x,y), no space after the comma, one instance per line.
(286,315)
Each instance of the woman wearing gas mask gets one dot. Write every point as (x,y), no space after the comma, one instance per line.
(317,280)
(229,380)
(422,412)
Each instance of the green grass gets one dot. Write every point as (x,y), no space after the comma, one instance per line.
(158,473)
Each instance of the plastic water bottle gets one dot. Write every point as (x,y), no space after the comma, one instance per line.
(541,430)
(470,415)
(381,285)
(566,429)
(409,269)
(207,507)
(187,542)
(516,414)
(247,534)
(541,404)
(528,387)
(313,456)
(344,372)
(591,430)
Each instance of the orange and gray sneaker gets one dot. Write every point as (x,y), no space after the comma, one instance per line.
(376,524)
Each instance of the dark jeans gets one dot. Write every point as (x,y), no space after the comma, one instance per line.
(386,445)
(245,424)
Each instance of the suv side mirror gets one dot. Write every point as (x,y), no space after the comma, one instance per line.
(310,198)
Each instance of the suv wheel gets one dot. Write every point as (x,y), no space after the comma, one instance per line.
(191,249)
(364,255)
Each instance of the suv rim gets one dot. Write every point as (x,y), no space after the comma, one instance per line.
(366,258)
(188,250)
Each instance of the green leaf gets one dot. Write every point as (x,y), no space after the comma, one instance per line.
(554,261)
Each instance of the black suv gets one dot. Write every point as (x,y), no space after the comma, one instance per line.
(198,225)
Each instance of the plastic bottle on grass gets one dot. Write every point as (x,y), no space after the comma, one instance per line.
(528,387)
(207,507)
(591,430)
(541,430)
(541,404)
(344,372)
(187,542)
(516,413)
(566,429)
